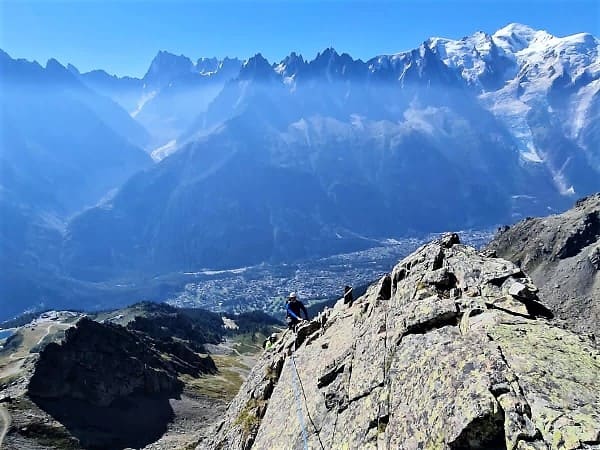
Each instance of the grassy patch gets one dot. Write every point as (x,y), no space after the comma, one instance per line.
(191,446)
(223,386)
(228,362)
(232,369)
(248,419)
(5,381)
(51,436)
(248,343)
(220,387)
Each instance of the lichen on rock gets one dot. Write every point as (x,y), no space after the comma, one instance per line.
(450,350)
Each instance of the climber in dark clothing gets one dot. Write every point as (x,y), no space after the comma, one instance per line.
(293,309)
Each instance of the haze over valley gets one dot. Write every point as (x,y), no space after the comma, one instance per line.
(216,164)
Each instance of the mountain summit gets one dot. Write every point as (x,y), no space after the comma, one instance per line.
(165,67)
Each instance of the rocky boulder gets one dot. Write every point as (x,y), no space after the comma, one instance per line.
(450,350)
(562,255)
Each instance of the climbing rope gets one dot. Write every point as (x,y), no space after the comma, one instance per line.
(298,403)
(296,380)
(386,369)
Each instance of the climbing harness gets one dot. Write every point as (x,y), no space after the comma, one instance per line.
(298,387)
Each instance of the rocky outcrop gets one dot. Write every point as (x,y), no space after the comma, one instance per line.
(450,350)
(99,363)
(562,255)
(132,378)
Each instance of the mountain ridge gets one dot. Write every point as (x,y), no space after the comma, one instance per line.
(385,134)
(138,377)
(335,152)
(562,254)
(445,351)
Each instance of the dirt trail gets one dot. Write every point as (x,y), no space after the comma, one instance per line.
(5,417)
(47,333)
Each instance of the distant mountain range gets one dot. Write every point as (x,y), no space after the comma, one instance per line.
(63,147)
(270,161)
(169,97)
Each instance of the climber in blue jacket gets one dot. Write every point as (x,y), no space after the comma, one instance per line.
(294,308)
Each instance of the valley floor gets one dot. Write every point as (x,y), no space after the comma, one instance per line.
(204,400)
(261,287)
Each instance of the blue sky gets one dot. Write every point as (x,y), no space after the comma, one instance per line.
(122,36)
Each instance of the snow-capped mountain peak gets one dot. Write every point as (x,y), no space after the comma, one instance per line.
(469,54)
(207,66)
(573,54)
(290,66)
(515,37)
(520,52)
(533,83)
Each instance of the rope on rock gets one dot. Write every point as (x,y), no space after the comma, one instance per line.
(295,381)
(299,405)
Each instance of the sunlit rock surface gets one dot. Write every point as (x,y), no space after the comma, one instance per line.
(452,349)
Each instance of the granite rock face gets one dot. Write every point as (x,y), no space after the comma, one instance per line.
(562,255)
(450,350)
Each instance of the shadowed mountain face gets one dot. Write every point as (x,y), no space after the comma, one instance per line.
(110,385)
(307,158)
(106,386)
(171,94)
(63,147)
(223,201)
(132,422)
(122,378)
(562,254)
